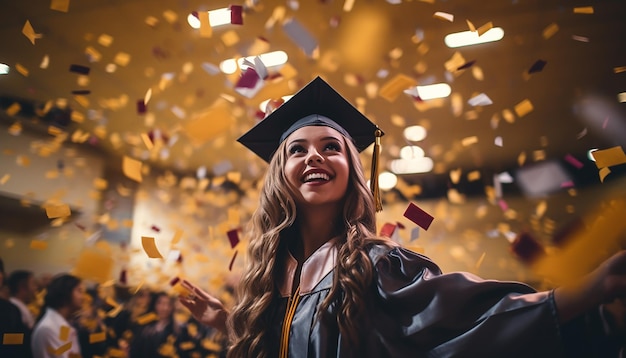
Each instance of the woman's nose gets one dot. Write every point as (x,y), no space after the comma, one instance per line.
(314,156)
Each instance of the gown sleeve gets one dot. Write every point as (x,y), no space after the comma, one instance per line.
(425,313)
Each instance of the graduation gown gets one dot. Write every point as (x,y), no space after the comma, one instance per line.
(417,312)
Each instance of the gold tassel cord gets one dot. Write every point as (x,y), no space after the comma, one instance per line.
(374,174)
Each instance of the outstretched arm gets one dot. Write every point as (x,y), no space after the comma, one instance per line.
(603,285)
(205,308)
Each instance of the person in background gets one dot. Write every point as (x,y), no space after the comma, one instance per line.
(54,336)
(321,283)
(23,289)
(11,325)
(159,337)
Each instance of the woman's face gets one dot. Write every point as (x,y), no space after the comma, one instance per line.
(317,165)
(163,307)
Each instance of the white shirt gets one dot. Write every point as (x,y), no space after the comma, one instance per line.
(27,316)
(46,336)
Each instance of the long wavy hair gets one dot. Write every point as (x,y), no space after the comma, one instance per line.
(352,277)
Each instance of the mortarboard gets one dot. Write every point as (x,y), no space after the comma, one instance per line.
(316,104)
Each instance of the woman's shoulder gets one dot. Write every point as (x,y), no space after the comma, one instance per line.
(390,257)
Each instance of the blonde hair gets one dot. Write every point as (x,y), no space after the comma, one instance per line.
(352,276)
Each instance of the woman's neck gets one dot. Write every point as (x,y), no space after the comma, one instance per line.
(317,226)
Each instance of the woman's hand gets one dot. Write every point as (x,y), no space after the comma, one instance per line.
(205,308)
(603,285)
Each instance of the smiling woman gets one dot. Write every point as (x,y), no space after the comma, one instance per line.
(321,283)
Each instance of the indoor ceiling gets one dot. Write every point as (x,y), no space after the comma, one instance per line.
(574,98)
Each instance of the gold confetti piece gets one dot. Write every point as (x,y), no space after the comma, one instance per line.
(12,338)
(455,176)
(347,5)
(621,97)
(521,159)
(147,318)
(480,261)
(550,30)
(467,141)
(150,248)
(122,59)
(94,55)
(152,21)
(177,236)
(394,87)
(539,155)
(603,173)
(473,175)
(82,100)
(541,208)
(583,10)
(170,16)
(100,184)
(13,109)
(132,168)
(619,69)
(94,263)
(15,129)
(58,211)
(38,245)
(470,25)
(115,311)
(208,124)
(187,345)
(609,157)
(97,337)
(64,333)
(230,38)
(21,69)
(62,349)
(105,40)
(443,16)
(22,161)
(5,178)
(523,108)
(508,115)
(29,32)
(205,25)
(60,5)
(486,27)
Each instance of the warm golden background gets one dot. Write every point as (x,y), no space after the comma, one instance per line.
(136,47)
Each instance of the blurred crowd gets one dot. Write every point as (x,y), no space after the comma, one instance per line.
(62,316)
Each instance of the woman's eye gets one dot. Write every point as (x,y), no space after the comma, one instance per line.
(296,149)
(333,146)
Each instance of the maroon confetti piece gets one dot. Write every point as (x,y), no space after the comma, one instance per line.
(81,92)
(83,70)
(526,247)
(179,259)
(466,65)
(400,225)
(81,227)
(418,216)
(122,279)
(141,107)
(236,16)
(155,228)
(174,281)
(233,237)
(248,79)
(537,66)
(232,261)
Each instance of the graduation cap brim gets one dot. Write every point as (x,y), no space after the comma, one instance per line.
(317,97)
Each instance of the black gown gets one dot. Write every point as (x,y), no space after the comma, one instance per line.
(419,312)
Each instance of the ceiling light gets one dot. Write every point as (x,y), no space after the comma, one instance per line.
(467,38)
(217,17)
(412,166)
(269,59)
(387,180)
(4,69)
(411,151)
(438,90)
(414,133)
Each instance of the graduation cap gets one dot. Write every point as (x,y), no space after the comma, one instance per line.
(316,104)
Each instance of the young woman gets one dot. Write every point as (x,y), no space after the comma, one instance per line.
(320,283)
